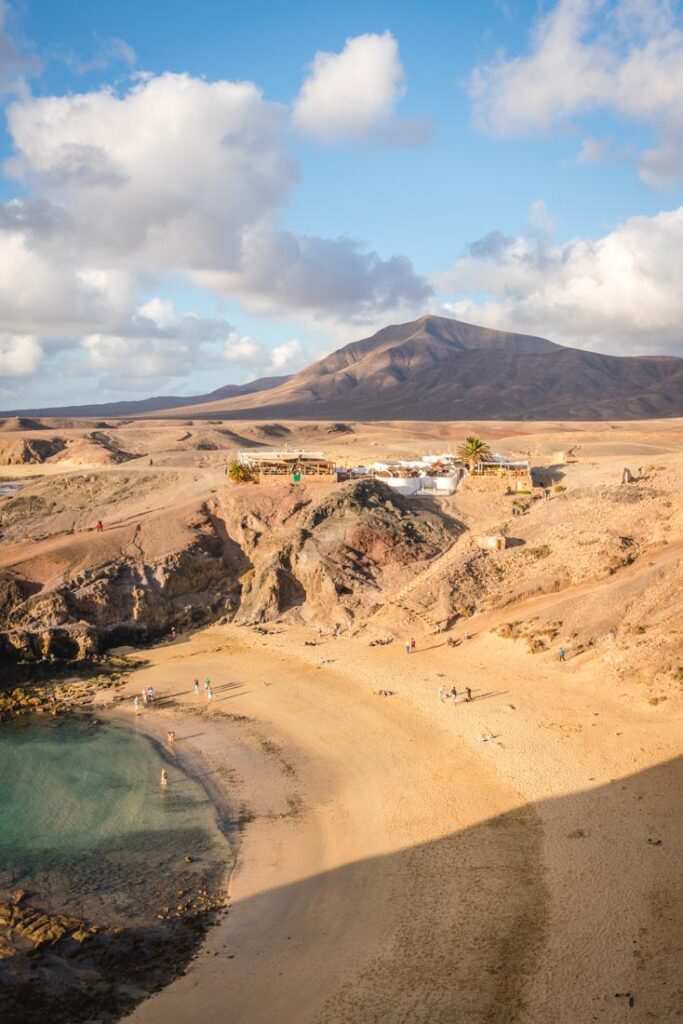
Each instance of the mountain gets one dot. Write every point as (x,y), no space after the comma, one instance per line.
(435,368)
(138,407)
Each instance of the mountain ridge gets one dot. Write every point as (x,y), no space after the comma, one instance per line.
(437,368)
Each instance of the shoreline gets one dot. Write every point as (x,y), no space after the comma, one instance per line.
(400,796)
(390,863)
(66,941)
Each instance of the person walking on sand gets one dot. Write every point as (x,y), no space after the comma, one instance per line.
(468,698)
(144,695)
(412,645)
(98,526)
(442,693)
(164,778)
(136,704)
(407,646)
(196,687)
(209,693)
(150,694)
(562,653)
(454,693)
(207,685)
(170,737)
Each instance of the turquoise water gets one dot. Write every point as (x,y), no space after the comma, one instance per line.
(86,828)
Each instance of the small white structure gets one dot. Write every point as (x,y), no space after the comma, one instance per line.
(422,483)
(493,542)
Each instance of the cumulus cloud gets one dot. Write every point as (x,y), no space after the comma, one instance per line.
(20,355)
(619,293)
(351,96)
(283,272)
(105,200)
(588,55)
(282,359)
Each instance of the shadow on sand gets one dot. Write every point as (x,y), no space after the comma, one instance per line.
(462,930)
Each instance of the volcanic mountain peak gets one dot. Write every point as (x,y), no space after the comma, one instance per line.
(427,340)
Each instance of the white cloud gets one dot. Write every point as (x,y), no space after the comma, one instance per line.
(133,358)
(285,358)
(161,312)
(619,293)
(351,96)
(20,355)
(118,189)
(243,350)
(175,176)
(587,55)
(288,357)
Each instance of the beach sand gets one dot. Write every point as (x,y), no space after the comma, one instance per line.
(395,867)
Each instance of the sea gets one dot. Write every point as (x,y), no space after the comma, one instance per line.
(87,830)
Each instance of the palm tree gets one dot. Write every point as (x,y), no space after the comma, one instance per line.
(473,450)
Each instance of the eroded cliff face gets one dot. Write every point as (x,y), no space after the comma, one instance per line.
(327,560)
(253,554)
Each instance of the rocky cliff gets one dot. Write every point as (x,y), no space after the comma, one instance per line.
(252,554)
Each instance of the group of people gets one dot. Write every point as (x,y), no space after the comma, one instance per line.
(208,689)
(146,697)
(452,695)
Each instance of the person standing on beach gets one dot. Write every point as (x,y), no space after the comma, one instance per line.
(99,527)
(136,704)
(209,693)
(150,694)
(144,695)
(196,687)
(442,693)
(412,645)
(170,737)
(468,698)
(407,646)
(164,778)
(207,684)
(562,653)
(454,693)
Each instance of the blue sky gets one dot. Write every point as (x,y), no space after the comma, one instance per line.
(160,265)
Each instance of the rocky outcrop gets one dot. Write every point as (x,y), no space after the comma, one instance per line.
(327,560)
(21,451)
(255,554)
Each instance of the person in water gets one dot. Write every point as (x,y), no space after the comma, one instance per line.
(170,736)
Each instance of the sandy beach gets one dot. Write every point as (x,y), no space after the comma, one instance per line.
(400,859)
(397,867)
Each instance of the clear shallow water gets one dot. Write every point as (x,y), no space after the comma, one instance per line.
(85,826)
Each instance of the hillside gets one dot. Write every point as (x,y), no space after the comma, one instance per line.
(436,368)
(139,406)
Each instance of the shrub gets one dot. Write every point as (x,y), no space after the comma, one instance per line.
(240,474)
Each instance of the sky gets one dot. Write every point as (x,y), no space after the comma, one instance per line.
(200,194)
